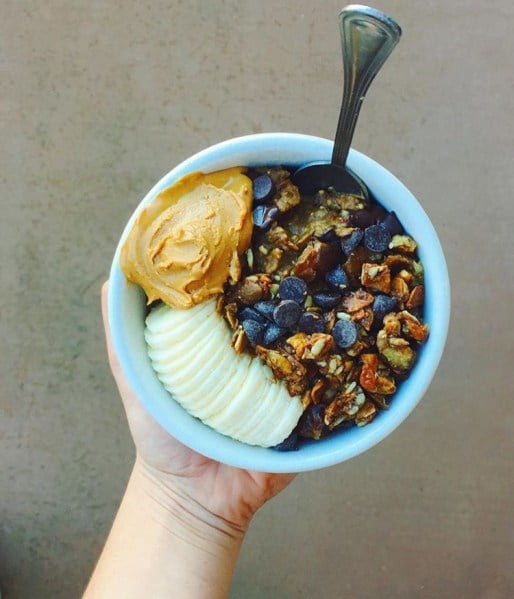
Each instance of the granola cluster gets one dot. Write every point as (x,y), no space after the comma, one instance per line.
(331,299)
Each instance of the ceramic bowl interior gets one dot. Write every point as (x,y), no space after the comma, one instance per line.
(126,312)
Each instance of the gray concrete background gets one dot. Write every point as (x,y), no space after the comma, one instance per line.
(98,100)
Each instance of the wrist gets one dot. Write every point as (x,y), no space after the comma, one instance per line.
(180,514)
(163,545)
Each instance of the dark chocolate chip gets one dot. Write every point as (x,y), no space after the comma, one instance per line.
(349,243)
(250,313)
(326,299)
(293,288)
(311,424)
(329,236)
(287,313)
(377,238)
(337,278)
(291,443)
(345,333)
(266,308)
(382,305)
(254,331)
(368,216)
(263,216)
(311,322)
(272,333)
(392,224)
(262,189)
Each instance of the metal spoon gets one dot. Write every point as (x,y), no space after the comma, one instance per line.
(368,36)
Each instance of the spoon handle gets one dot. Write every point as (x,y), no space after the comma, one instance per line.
(368,36)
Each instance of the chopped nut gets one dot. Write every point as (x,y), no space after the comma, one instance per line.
(392,325)
(285,367)
(278,237)
(353,266)
(403,243)
(345,406)
(356,300)
(316,258)
(231,315)
(366,413)
(379,400)
(317,390)
(398,355)
(288,197)
(250,292)
(400,289)
(335,368)
(311,347)
(376,277)
(364,317)
(358,347)
(412,328)
(397,262)
(272,260)
(254,288)
(416,297)
(373,381)
(239,340)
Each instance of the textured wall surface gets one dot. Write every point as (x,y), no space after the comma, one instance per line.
(98,100)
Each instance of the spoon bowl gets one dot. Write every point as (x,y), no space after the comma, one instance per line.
(368,37)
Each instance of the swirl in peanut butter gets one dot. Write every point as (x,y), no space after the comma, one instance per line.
(185,245)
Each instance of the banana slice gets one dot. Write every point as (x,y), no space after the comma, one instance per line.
(234,394)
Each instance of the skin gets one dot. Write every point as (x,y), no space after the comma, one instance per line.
(183,518)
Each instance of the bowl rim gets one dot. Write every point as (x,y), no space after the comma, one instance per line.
(316,454)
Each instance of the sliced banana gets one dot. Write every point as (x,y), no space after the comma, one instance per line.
(234,394)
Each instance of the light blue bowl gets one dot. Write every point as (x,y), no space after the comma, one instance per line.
(126,312)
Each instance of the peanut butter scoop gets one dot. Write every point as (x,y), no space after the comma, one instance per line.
(185,245)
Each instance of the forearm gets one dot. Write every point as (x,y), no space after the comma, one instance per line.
(161,546)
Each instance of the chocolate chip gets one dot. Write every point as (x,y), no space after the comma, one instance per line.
(262,189)
(345,333)
(293,288)
(366,217)
(311,322)
(392,224)
(254,331)
(382,305)
(287,313)
(291,443)
(272,333)
(250,313)
(337,278)
(326,299)
(263,216)
(311,424)
(377,238)
(266,308)
(350,243)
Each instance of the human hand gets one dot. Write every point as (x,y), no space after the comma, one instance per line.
(184,477)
